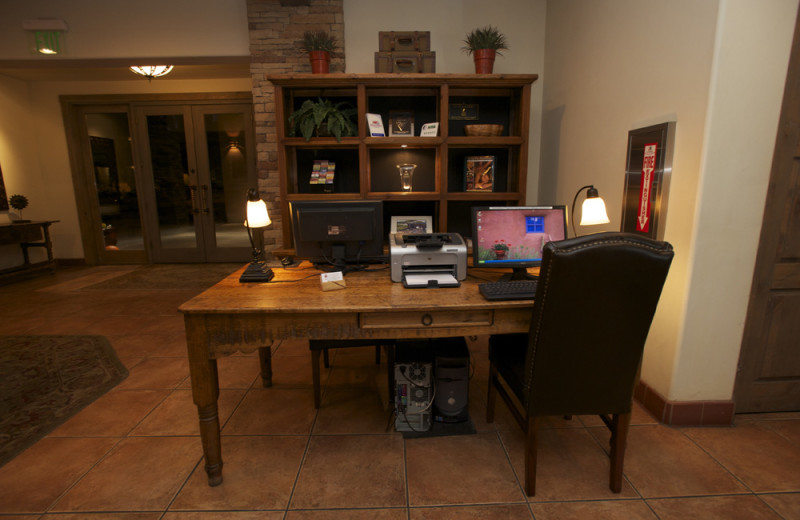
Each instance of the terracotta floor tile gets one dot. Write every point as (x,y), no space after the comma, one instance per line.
(157,373)
(258,473)
(484,474)
(352,410)
(571,466)
(238,371)
(349,471)
(501,512)
(399,513)
(38,476)
(762,458)
(273,411)
(594,510)
(225,515)
(786,504)
(745,507)
(113,415)
(177,414)
(102,516)
(141,474)
(663,462)
(294,371)
(147,345)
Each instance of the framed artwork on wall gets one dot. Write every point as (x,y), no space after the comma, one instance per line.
(412,225)
(648,170)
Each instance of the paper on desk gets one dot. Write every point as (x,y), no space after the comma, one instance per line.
(423,280)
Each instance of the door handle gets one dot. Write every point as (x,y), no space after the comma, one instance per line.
(204,199)
(193,192)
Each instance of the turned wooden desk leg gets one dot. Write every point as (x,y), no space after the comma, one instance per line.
(205,392)
(265,360)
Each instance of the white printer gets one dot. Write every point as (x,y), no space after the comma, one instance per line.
(428,260)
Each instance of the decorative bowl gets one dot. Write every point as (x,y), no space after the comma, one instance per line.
(483,130)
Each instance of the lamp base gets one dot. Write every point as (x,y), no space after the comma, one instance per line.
(256,272)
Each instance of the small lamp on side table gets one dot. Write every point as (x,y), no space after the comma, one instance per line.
(257,217)
(593,211)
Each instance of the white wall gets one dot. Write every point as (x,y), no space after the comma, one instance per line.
(616,65)
(449,21)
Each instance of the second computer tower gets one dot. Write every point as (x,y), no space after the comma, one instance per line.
(451,372)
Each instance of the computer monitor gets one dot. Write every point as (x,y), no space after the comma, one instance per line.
(514,236)
(340,234)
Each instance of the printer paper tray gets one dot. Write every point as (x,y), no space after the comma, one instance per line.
(429,280)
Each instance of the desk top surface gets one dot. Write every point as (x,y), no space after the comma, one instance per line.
(298,290)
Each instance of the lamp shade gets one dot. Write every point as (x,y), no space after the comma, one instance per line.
(593,212)
(152,71)
(257,215)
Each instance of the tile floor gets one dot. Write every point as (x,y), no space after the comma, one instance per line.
(135,453)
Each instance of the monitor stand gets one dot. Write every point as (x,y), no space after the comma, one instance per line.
(518,273)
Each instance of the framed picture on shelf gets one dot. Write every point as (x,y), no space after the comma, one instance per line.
(401,123)
(412,225)
(479,173)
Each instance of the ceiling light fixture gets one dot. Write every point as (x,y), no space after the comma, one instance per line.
(152,71)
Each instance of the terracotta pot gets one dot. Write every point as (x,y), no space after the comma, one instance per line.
(320,61)
(484,60)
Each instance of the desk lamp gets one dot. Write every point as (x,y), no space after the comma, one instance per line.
(257,217)
(593,211)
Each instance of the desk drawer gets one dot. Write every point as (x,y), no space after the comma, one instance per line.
(420,319)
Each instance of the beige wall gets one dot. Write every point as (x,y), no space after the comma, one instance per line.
(717,69)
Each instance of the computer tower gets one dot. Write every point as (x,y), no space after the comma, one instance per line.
(451,370)
(413,381)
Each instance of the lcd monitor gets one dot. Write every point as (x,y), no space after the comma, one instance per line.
(514,236)
(338,234)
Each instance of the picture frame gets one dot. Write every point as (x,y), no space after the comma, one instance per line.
(412,225)
(479,173)
(463,112)
(648,170)
(401,123)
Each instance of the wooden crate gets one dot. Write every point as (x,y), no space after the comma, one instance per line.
(405,62)
(390,41)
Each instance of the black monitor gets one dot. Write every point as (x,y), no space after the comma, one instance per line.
(340,234)
(514,236)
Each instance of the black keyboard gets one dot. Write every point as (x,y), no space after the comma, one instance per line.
(511,290)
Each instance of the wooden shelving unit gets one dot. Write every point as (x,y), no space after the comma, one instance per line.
(365,165)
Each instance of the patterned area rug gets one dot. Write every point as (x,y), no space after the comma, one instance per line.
(45,380)
(169,276)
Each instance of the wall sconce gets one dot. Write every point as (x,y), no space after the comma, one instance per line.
(151,71)
(257,217)
(593,211)
(48,35)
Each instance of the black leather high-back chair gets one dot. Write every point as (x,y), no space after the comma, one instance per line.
(594,305)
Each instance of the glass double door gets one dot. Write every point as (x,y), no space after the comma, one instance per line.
(197,164)
(166,183)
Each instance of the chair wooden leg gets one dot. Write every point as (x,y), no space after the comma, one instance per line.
(390,373)
(315,377)
(325,358)
(265,363)
(491,396)
(531,444)
(377,354)
(620,423)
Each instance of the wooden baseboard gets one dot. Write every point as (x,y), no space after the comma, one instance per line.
(684,413)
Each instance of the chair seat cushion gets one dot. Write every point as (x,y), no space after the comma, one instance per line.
(507,353)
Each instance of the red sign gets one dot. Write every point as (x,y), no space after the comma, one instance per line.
(648,169)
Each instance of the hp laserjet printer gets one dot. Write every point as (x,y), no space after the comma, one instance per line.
(428,260)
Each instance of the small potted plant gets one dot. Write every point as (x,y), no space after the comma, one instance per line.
(19,202)
(319,45)
(323,117)
(484,44)
(500,250)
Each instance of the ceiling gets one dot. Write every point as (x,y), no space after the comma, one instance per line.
(225,67)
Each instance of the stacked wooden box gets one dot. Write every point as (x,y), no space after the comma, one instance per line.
(404,52)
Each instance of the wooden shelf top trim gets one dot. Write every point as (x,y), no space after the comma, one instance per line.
(341,79)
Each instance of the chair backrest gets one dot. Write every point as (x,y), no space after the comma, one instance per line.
(595,302)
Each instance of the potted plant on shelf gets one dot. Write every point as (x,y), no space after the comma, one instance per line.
(323,117)
(484,44)
(319,45)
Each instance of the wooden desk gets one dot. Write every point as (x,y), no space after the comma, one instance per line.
(233,316)
(28,234)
